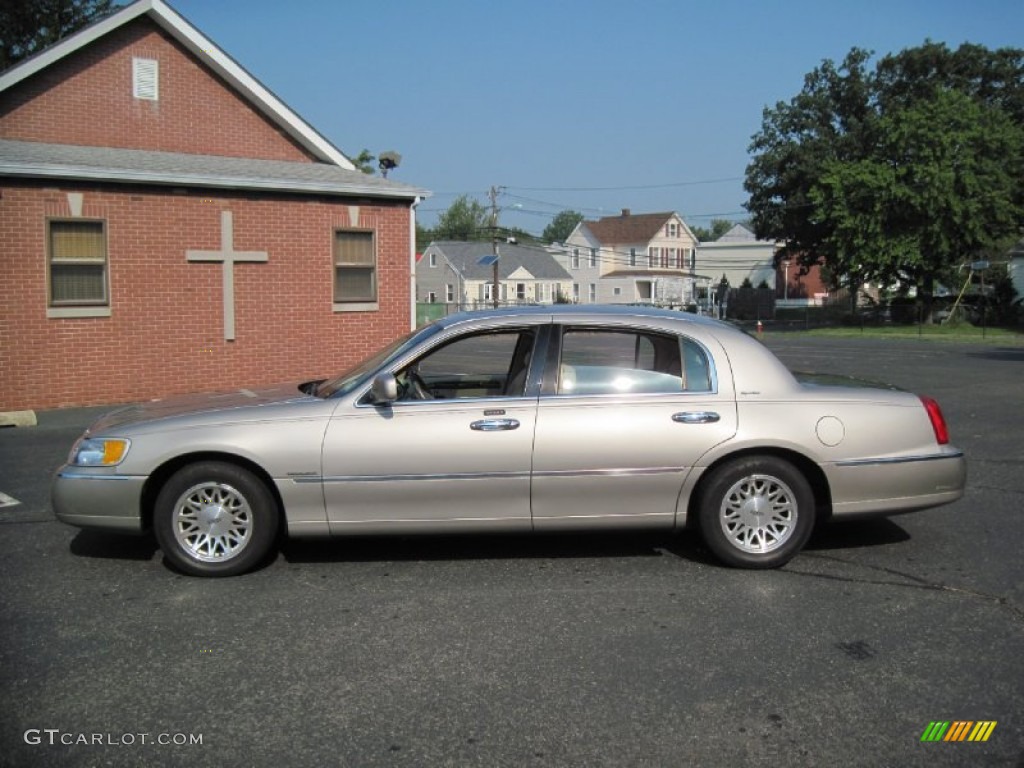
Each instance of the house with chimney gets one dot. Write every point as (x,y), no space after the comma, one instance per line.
(647,258)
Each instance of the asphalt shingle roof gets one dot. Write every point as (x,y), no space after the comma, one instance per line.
(634,228)
(465,258)
(63,161)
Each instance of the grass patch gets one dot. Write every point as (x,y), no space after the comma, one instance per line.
(957,333)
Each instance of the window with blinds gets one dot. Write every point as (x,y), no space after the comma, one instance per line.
(78,263)
(355,267)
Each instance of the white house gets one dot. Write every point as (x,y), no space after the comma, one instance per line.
(1016,269)
(740,256)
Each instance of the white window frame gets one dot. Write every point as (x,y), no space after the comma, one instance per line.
(575,263)
(593,257)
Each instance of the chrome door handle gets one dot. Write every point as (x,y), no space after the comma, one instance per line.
(696,417)
(494,425)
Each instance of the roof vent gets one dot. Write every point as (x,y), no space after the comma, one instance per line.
(145,79)
(625,211)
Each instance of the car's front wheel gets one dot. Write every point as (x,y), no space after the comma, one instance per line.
(215,519)
(756,512)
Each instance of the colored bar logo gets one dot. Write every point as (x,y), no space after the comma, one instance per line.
(958,730)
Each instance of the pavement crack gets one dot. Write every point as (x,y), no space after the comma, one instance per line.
(917,582)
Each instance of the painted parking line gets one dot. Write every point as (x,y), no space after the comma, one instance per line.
(7,501)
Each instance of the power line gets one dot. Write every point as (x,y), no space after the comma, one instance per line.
(626,188)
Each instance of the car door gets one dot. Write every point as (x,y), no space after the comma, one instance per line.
(624,415)
(452,453)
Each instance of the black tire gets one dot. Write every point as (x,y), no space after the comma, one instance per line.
(756,512)
(213,518)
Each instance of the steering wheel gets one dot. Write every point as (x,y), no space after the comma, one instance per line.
(416,387)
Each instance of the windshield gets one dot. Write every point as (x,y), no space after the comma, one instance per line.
(352,378)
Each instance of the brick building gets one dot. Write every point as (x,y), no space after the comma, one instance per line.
(168,225)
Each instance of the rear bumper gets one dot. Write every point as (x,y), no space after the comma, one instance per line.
(867,487)
(86,500)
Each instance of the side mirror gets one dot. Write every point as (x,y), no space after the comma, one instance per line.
(384,388)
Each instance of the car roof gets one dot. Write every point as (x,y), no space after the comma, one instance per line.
(569,312)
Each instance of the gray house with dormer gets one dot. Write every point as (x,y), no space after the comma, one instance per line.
(462,274)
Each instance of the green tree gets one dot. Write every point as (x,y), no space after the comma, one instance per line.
(896,175)
(364,162)
(465,219)
(709,234)
(28,26)
(561,226)
(424,236)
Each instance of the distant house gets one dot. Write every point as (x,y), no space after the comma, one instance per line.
(1015,269)
(648,258)
(169,225)
(739,256)
(462,274)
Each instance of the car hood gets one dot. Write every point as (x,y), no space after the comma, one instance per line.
(238,405)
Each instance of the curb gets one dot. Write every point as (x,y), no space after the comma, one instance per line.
(18,418)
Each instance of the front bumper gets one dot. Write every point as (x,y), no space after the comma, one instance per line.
(92,500)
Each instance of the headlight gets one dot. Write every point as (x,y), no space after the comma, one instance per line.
(99,452)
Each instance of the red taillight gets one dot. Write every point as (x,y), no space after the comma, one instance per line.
(937,419)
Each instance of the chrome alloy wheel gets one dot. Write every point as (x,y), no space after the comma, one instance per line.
(758,514)
(212,522)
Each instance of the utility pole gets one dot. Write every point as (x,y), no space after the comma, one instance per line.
(493,194)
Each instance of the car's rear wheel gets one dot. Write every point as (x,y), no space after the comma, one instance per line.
(215,519)
(756,512)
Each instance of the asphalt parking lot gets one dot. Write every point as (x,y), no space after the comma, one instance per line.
(553,651)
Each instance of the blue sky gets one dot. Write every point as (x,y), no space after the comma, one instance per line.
(595,106)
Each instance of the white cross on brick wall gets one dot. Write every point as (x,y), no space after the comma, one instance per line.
(228,256)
